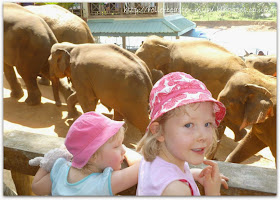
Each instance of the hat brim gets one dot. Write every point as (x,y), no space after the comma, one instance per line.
(219,110)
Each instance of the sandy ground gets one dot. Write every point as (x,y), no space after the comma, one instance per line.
(48,119)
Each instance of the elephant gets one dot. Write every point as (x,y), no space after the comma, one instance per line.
(156,75)
(107,72)
(66,26)
(250,99)
(265,64)
(204,60)
(27,44)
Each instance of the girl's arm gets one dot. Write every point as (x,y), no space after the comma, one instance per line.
(125,178)
(177,188)
(42,184)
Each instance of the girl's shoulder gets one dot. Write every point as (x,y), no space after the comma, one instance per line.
(61,164)
(107,171)
(177,188)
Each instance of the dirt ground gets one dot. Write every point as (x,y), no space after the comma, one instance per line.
(48,119)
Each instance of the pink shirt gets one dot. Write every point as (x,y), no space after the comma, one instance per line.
(154,176)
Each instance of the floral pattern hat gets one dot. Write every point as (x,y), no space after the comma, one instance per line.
(176,89)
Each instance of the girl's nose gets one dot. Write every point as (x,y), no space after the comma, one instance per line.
(202,134)
(123,150)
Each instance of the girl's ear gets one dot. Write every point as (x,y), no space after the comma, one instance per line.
(160,138)
(154,128)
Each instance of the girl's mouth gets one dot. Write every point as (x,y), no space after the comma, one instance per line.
(199,150)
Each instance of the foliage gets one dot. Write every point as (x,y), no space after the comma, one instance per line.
(229,11)
(64,5)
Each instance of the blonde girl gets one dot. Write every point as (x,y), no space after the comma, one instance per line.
(184,117)
(95,142)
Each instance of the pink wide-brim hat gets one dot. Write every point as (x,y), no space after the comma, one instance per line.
(89,132)
(176,89)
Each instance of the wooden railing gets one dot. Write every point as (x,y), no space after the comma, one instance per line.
(20,147)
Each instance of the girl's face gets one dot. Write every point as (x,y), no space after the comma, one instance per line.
(111,154)
(186,137)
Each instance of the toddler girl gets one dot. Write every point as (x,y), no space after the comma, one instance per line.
(95,142)
(183,120)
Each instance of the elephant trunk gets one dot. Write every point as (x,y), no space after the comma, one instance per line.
(55,88)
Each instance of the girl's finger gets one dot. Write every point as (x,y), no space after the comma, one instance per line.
(202,173)
(224,183)
(224,177)
(215,167)
(207,174)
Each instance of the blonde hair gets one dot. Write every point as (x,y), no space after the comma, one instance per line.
(149,146)
(88,167)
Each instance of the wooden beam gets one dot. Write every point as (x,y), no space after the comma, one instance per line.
(20,147)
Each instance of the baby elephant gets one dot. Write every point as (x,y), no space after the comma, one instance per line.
(250,99)
(107,72)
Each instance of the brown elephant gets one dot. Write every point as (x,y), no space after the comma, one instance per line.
(250,99)
(107,72)
(66,26)
(265,64)
(27,43)
(202,59)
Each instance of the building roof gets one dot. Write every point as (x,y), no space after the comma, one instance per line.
(173,25)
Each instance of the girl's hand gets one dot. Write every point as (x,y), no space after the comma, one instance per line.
(131,156)
(198,176)
(211,178)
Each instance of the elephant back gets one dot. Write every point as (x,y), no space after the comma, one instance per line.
(66,26)
(121,67)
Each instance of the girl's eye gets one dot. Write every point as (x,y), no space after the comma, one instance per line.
(189,125)
(208,124)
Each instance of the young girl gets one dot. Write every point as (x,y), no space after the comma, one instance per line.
(95,142)
(183,120)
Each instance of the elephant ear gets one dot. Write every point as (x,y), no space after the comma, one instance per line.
(62,62)
(258,106)
(163,57)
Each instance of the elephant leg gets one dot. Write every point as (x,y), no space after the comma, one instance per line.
(220,132)
(247,147)
(71,102)
(87,100)
(117,116)
(30,80)
(16,90)
(34,94)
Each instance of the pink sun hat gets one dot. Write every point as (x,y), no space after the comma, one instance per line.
(89,132)
(176,89)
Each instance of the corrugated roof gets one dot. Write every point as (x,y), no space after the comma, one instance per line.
(173,25)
